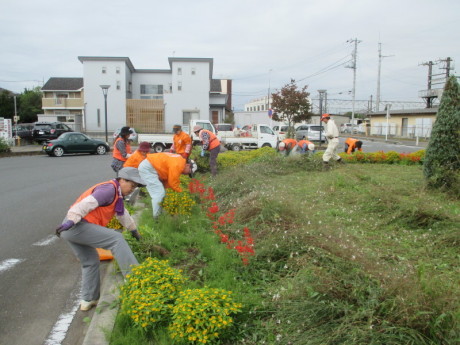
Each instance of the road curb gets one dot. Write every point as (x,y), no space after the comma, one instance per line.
(14,154)
(106,311)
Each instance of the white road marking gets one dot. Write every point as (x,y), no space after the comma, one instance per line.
(46,241)
(5,265)
(60,328)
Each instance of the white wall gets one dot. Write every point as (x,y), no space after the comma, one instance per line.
(94,98)
(243,118)
(194,96)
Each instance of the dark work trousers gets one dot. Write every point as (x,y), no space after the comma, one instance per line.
(213,160)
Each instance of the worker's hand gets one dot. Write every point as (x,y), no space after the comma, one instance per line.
(184,155)
(128,155)
(136,234)
(202,154)
(64,227)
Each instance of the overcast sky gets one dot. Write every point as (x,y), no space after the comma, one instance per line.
(259,44)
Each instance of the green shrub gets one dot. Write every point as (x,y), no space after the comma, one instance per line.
(442,160)
(4,147)
(200,314)
(150,291)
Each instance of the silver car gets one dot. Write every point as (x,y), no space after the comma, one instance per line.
(310,132)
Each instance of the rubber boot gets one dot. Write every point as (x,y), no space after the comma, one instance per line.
(340,161)
(326,166)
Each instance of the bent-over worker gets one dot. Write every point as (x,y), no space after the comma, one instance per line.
(352,144)
(85,229)
(209,143)
(163,170)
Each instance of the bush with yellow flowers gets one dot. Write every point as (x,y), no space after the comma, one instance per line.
(177,203)
(199,315)
(150,291)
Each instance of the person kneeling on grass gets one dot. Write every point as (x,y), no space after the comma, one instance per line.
(163,170)
(85,229)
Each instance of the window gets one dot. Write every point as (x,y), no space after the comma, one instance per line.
(59,98)
(193,71)
(104,70)
(179,86)
(118,70)
(151,91)
(118,85)
(266,130)
(179,71)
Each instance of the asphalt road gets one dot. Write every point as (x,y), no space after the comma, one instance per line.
(39,275)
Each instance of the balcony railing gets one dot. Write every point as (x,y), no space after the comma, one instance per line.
(62,102)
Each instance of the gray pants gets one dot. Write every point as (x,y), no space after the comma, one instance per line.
(84,238)
(213,160)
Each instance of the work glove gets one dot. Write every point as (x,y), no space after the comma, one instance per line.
(136,234)
(202,154)
(64,227)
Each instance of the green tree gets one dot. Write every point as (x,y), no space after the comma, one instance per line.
(442,161)
(6,104)
(30,104)
(291,105)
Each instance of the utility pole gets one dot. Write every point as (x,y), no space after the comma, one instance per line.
(268,98)
(321,93)
(353,66)
(429,97)
(377,100)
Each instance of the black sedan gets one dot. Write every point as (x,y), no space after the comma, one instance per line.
(74,142)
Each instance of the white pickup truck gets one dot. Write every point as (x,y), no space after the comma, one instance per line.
(161,142)
(256,136)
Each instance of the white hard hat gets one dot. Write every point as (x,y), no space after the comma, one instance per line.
(311,147)
(282,145)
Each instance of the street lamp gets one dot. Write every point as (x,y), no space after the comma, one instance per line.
(105,90)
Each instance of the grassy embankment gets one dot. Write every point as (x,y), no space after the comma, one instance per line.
(361,254)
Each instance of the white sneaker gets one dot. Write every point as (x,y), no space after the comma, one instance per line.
(85,305)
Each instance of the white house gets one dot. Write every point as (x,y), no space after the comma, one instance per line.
(152,100)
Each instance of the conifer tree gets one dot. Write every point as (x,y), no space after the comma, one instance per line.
(442,160)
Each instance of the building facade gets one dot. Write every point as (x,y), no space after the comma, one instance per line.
(63,100)
(151,100)
(403,123)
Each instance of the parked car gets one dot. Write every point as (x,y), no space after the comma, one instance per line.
(23,130)
(345,128)
(310,132)
(75,142)
(44,131)
(132,136)
(281,131)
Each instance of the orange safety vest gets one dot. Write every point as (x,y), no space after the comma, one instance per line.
(290,143)
(213,141)
(116,151)
(102,214)
(302,142)
(182,143)
(351,145)
(169,167)
(135,159)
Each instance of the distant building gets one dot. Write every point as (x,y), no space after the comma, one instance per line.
(152,100)
(409,123)
(63,100)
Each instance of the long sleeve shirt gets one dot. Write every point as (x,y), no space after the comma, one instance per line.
(331,130)
(102,195)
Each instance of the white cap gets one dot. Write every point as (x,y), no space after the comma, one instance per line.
(311,147)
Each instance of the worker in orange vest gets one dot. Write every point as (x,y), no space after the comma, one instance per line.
(306,145)
(163,170)
(121,149)
(138,156)
(182,143)
(85,229)
(209,143)
(352,144)
(287,145)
